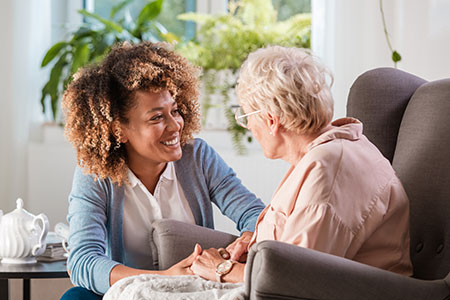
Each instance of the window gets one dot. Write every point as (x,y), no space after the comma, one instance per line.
(168,16)
(172,8)
(288,8)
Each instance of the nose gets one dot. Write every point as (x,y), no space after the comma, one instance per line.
(174,123)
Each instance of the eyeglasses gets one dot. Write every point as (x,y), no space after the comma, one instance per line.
(241,117)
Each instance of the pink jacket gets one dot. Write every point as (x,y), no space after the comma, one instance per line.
(342,198)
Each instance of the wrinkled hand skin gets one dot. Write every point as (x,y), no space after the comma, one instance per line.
(238,250)
(205,264)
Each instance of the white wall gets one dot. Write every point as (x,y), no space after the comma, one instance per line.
(5,103)
(51,163)
(24,38)
(422,30)
(27,28)
(350,39)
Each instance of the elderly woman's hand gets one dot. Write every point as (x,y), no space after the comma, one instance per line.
(183,267)
(205,264)
(237,251)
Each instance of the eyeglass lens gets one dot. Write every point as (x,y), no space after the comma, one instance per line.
(241,118)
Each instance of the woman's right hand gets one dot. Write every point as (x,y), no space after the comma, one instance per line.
(183,267)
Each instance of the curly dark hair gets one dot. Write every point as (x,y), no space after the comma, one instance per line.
(100,96)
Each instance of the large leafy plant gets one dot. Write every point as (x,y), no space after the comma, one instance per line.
(91,41)
(224,41)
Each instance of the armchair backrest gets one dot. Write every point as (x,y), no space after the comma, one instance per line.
(378,98)
(408,119)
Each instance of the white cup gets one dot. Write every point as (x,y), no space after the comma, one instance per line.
(62,230)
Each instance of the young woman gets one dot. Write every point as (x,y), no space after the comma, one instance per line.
(131,120)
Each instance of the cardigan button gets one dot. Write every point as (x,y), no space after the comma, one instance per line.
(419,247)
(440,248)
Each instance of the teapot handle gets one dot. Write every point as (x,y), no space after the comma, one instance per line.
(40,247)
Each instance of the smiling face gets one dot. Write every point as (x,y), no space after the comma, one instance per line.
(152,134)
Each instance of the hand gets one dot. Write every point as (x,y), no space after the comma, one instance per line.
(204,265)
(238,250)
(183,267)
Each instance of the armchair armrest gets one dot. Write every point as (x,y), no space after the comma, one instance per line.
(175,240)
(277,270)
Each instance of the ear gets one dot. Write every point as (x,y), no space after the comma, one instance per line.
(119,131)
(273,122)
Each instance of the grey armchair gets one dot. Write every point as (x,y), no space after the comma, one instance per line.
(408,119)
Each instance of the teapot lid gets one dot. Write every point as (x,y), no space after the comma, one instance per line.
(19,203)
(19,212)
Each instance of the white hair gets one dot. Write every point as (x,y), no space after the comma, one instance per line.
(289,83)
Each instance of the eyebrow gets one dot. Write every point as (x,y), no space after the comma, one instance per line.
(159,108)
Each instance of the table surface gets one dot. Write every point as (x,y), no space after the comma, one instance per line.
(56,269)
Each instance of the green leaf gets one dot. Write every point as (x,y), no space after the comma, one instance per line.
(160,27)
(80,57)
(102,44)
(149,12)
(83,32)
(54,83)
(195,17)
(396,57)
(109,24)
(55,75)
(171,37)
(44,94)
(52,53)
(54,104)
(118,8)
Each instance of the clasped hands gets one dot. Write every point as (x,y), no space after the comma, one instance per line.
(204,262)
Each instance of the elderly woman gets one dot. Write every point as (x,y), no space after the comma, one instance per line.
(340,196)
(131,120)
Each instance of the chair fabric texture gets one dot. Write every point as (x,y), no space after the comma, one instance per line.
(422,162)
(176,240)
(378,99)
(276,270)
(408,119)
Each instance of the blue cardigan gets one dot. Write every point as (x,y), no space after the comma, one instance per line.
(96,209)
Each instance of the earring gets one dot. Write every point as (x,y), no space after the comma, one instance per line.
(271,133)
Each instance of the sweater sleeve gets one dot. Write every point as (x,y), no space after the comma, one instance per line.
(227,192)
(88,263)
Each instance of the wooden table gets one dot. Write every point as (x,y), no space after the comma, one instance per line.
(26,272)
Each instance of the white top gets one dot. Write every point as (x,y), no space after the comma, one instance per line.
(141,208)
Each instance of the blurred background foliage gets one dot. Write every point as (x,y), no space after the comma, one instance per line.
(224,41)
(166,17)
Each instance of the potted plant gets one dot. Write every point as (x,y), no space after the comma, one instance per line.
(91,41)
(224,41)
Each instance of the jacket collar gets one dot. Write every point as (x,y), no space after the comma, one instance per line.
(345,128)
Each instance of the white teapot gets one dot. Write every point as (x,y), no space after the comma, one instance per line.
(21,237)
